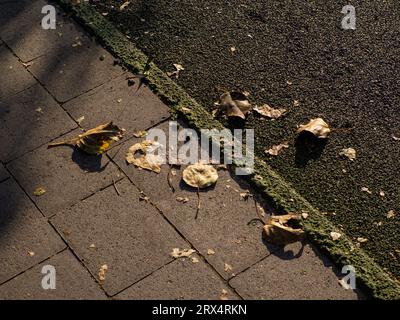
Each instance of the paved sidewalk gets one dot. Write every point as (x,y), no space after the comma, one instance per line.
(49,79)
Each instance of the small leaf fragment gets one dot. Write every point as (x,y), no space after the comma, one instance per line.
(182,199)
(335,235)
(350,153)
(391,214)
(140,134)
(227,267)
(102,272)
(234,104)
(269,112)
(184,253)
(275,150)
(224,295)
(39,191)
(362,240)
(210,252)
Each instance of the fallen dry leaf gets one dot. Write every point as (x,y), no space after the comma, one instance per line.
(349,153)
(182,199)
(277,230)
(395,138)
(210,252)
(362,240)
(234,104)
(39,191)
(382,193)
(184,253)
(335,235)
(95,141)
(318,127)
(175,73)
(304,215)
(200,175)
(92,246)
(296,103)
(80,119)
(269,112)
(140,134)
(194,260)
(227,267)
(124,5)
(365,189)
(102,272)
(274,151)
(391,214)
(147,159)
(31,253)
(224,295)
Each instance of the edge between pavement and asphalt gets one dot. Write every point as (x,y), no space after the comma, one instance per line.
(373,279)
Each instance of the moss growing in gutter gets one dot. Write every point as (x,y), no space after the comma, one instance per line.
(372,277)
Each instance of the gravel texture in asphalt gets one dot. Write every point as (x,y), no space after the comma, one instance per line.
(296,50)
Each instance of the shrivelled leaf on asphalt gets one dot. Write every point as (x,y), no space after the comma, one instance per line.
(391,214)
(349,153)
(200,175)
(278,231)
(95,141)
(124,5)
(184,253)
(318,127)
(234,104)
(178,69)
(274,151)
(269,112)
(140,134)
(147,158)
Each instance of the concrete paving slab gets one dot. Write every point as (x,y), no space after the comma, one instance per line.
(30,119)
(127,106)
(286,275)
(67,174)
(223,219)
(14,77)
(26,237)
(73,282)
(21,29)
(130,236)
(75,69)
(180,280)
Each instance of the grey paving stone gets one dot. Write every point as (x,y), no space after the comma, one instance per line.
(69,72)
(67,174)
(180,280)
(21,29)
(222,223)
(26,237)
(29,119)
(73,281)
(3,173)
(117,101)
(286,275)
(131,237)
(14,77)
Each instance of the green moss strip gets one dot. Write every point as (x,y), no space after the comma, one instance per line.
(371,277)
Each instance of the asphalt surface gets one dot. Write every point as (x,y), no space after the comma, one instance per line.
(297,50)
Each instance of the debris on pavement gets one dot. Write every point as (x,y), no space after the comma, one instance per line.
(391,214)
(147,159)
(95,141)
(39,191)
(234,104)
(227,267)
(278,231)
(275,150)
(335,235)
(365,189)
(269,112)
(200,175)
(224,295)
(102,272)
(349,153)
(140,134)
(318,127)
(176,73)
(210,252)
(184,253)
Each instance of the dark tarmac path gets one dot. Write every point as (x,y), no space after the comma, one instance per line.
(296,50)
